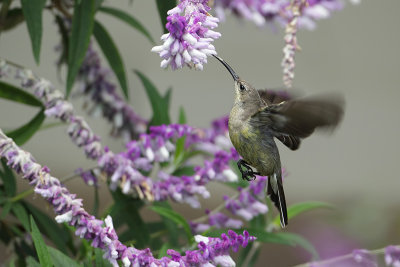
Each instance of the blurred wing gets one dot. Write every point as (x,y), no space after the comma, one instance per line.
(274,96)
(294,119)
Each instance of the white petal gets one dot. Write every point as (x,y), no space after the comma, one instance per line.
(189,38)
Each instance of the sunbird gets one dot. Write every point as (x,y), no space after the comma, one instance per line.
(257,116)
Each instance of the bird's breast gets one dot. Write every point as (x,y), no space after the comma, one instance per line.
(258,149)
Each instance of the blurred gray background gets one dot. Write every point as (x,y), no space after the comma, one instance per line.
(355,52)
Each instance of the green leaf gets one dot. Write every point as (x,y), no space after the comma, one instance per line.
(31,262)
(180,143)
(41,248)
(99,260)
(63,58)
(297,240)
(299,208)
(171,227)
(25,132)
(20,212)
(182,116)
(159,104)
(162,252)
(244,254)
(9,182)
(82,27)
(13,18)
(10,92)
(60,259)
(176,217)
(58,235)
(126,210)
(129,19)
(5,210)
(163,6)
(99,3)
(184,170)
(111,52)
(32,10)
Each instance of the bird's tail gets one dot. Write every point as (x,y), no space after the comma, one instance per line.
(277,195)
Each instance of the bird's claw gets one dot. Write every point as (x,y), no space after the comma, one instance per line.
(246,171)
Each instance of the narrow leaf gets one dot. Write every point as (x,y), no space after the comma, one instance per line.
(180,143)
(162,252)
(32,10)
(58,235)
(25,132)
(129,19)
(297,240)
(99,3)
(41,248)
(169,225)
(10,184)
(13,18)
(111,52)
(163,6)
(126,210)
(82,27)
(99,260)
(63,58)
(20,212)
(10,92)
(299,208)
(60,259)
(176,217)
(182,116)
(5,210)
(159,104)
(31,262)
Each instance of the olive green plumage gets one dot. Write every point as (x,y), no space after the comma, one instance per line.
(258,116)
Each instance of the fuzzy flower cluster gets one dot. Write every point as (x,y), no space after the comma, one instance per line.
(103,99)
(190,35)
(263,12)
(392,256)
(159,146)
(245,205)
(56,106)
(211,251)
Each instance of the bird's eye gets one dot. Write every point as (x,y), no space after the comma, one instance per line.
(241,87)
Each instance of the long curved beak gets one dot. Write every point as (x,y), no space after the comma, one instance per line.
(231,71)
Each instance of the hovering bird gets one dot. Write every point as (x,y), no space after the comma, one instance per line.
(259,116)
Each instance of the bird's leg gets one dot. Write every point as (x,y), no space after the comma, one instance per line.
(247,172)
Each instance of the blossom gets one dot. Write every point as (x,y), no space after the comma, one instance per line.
(247,204)
(364,257)
(190,35)
(278,12)
(392,256)
(56,106)
(69,209)
(103,99)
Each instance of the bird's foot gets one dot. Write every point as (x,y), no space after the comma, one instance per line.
(246,171)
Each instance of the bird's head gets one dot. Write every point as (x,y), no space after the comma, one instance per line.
(244,92)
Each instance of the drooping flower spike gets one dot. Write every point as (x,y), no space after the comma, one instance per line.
(190,35)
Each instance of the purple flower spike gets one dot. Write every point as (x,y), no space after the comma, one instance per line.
(392,256)
(247,206)
(364,258)
(69,209)
(190,35)
(102,98)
